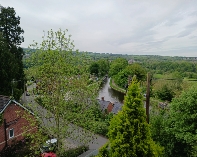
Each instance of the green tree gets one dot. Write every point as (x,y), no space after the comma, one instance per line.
(177,80)
(129,133)
(103,66)
(159,133)
(121,79)
(175,129)
(11,52)
(117,65)
(10,26)
(182,123)
(5,77)
(165,93)
(158,123)
(94,68)
(63,90)
(100,67)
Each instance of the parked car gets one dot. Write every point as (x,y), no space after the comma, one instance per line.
(50,154)
(48,148)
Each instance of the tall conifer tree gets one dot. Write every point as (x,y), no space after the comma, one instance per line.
(11,53)
(129,133)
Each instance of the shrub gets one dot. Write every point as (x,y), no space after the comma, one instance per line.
(75,152)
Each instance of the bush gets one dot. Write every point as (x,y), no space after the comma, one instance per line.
(96,121)
(75,152)
(165,93)
(17,149)
(100,128)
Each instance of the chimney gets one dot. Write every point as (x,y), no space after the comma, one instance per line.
(102,98)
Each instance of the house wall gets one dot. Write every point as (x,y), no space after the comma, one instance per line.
(13,115)
(109,107)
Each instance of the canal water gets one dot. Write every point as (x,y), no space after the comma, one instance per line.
(108,93)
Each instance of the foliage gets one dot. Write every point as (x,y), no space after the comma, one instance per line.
(187,83)
(94,68)
(184,127)
(176,129)
(121,79)
(117,65)
(75,152)
(129,133)
(184,68)
(144,59)
(103,67)
(158,124)
(9,26)
(37,136)
(17,149)
(104,151)
(63,85)
(115,87)
(11,53)
(100,67)
(161,135)
(166,89)
(165,93)
(96,121)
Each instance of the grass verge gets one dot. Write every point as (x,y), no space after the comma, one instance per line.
(115,87)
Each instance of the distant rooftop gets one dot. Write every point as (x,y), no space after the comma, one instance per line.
(117,107)
(103,104)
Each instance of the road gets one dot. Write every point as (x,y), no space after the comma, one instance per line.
(77,133)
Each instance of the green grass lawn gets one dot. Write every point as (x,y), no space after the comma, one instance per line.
(189,79)
(158,76)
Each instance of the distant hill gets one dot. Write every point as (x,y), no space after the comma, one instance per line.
(138,58)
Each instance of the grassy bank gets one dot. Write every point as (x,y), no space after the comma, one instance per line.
(115,87)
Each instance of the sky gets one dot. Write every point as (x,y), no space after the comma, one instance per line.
(134,27)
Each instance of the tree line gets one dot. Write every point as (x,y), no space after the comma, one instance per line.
(185,68)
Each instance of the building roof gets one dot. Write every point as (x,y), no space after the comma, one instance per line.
(103,104)
(5,101)
(117,107)
(131,61)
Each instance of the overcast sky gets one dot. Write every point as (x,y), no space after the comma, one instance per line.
(141,27)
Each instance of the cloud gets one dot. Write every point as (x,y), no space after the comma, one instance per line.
(184,33)
(141,27)
(189,29)
(138,35)
(193,25)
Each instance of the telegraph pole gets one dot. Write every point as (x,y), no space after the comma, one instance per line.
(12,87)
(147,97)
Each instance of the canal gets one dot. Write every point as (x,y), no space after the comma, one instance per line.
(108,93)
